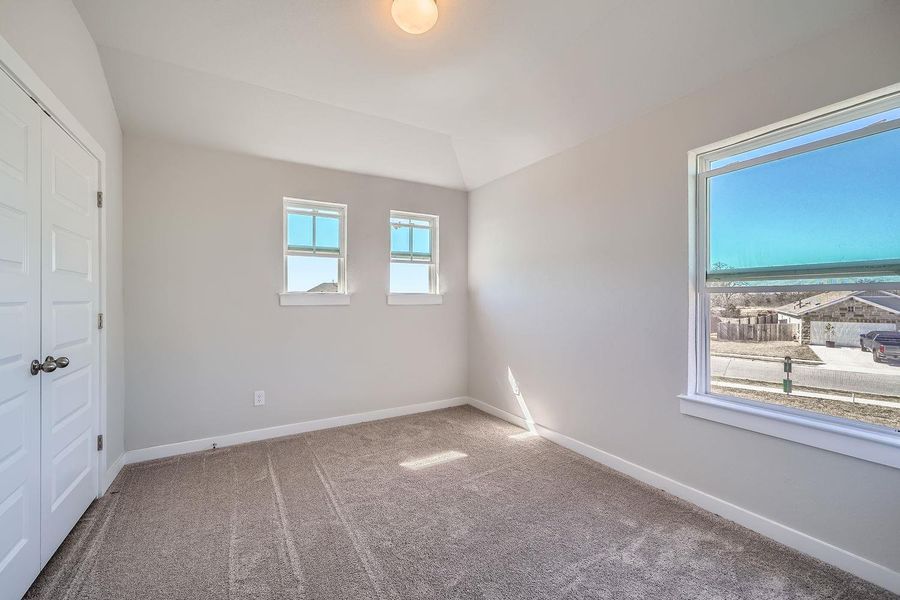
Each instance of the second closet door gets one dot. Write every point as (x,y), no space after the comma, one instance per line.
(70,272)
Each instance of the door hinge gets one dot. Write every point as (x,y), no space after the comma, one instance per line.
(99,199)
(99,442)
(99,320)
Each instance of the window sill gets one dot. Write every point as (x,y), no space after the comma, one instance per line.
(313,299)
(414,299)
(867,443)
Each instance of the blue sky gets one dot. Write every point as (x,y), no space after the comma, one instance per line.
(300,229)
(409,278)
(840,203)
(306,272)
(421,239)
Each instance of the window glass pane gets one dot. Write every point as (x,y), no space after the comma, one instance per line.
(399,239)
(410,278)
(422,242)
(299,229)
(833,205)
(814,136)
(328,233)
(844,346)
(312,274)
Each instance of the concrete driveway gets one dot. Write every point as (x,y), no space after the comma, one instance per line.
(853,359)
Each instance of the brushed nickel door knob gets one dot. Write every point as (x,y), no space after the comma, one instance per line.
(49,365)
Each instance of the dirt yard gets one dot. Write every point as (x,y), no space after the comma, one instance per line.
(876,415)
(774,349)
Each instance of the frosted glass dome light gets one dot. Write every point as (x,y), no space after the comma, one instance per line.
(415,16)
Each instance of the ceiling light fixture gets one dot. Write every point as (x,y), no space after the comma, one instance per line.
(415,16)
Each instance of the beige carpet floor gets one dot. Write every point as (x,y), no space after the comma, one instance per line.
(447,504)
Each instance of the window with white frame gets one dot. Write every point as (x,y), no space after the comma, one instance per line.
(314,247)
(797,291)
(414,255)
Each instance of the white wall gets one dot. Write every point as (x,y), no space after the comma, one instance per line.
(203,265)
(578,282)
(51,37)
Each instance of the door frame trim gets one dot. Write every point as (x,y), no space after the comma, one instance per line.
(24,76)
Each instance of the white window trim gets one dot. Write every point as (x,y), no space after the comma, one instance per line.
(414,299)
(296,298)
(433,296)
(867,442)
(313,299)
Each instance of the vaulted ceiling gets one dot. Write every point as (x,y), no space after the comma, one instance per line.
(495,86)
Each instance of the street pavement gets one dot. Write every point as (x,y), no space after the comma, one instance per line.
(844,371)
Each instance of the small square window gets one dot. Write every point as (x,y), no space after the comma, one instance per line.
(414,256)
(314,247)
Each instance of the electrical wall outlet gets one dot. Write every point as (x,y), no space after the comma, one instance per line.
(259,398)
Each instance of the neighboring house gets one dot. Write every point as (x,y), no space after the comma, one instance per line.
(329,287)
(851,313)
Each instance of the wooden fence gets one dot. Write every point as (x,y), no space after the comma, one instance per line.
(758,332)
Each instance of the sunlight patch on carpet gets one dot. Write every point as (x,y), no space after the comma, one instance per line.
(434,459)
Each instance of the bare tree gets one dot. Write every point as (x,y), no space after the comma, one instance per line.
(725,299)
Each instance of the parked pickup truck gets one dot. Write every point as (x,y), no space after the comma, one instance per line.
(867,340)
(886,347)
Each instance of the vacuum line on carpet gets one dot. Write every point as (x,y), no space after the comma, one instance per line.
(379,582)
(86,536)
(232,592)
(89,559)
(293,556)
(71,557)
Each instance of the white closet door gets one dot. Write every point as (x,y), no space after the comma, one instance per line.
(69,307)
(20,314)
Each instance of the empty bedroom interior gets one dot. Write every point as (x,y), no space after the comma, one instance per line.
(449,299)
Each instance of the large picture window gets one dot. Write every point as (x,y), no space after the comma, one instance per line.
(797,291)
(314,247)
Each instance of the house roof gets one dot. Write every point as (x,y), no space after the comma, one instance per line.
(807,305)
(884,300)
(329,286)
(889,303)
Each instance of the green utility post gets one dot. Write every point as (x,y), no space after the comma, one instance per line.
(787,375)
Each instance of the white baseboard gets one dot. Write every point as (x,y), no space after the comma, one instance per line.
(498,412)
(242,437)
(842,559)
(112,472)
